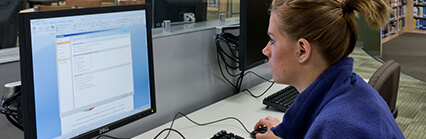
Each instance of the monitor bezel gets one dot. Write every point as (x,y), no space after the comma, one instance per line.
(246,12)
(26,63)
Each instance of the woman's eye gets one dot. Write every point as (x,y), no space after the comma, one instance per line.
(272,41)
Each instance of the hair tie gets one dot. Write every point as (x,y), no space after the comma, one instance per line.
(345,9)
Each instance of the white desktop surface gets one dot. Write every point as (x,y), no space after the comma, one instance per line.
(242,106)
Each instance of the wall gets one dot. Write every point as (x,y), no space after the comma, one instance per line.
(368,37)
(187,78)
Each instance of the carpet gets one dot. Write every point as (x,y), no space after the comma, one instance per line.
(409,50)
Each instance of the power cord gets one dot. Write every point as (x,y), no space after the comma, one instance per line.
(222,55)
(258,76)
(170,129)
(260,94)
(203,124)
(232,41)
(11,108)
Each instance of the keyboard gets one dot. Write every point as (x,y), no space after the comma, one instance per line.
(283,99)
(225,135)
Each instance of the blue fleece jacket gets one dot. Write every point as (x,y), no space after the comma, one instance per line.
(338,104)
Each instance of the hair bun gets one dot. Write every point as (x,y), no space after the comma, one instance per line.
(345,8)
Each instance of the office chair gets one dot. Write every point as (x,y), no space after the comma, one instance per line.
(386,81)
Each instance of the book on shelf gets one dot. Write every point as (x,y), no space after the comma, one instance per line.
(420,23)
(415,11)
(395,13)
(419,2)
(402,11)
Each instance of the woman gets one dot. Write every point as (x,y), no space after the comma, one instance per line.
(309,48)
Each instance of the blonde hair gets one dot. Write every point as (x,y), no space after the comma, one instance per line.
(329,23)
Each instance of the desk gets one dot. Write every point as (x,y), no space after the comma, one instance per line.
(243,106)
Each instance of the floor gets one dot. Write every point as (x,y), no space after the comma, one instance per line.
(410,100)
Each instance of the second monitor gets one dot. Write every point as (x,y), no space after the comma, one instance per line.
(174,10)
(254,21)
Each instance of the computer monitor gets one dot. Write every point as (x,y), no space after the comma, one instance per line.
(254,22)
(9,10)
(174,10)
(85,71)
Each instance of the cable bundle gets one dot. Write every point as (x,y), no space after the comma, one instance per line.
(11,108)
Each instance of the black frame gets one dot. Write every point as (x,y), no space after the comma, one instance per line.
(254,22)
(168,10)
(27,65)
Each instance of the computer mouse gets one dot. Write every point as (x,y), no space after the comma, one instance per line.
(259,130)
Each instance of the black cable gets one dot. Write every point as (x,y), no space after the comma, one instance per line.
(226,63)
(12,115)
(108,136)
(221,37)
(230,74)
(204,124)
(221,71)
(222,54)
(234,57)
(240,81)
(257,76)
(11,98)
(262,93)
(170,129)
(14,121)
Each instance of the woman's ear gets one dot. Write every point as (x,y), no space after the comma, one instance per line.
(304,50)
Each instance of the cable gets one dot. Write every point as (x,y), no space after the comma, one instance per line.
(221,71)
(262,93)
(226,38)
(223,119)
(257,76)
(234,57)
(108,136)
(220,55)
(170,129)
(223,54)
(12,115)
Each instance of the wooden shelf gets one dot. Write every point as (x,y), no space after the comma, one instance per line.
(418,31)
(390,37)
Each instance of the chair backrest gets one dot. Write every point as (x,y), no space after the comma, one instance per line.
(131,2)
(386,81)
(48,8)
(84,3)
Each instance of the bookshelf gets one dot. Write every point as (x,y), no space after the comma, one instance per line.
(419,15)
(410,18)
(397,22)
(407,16)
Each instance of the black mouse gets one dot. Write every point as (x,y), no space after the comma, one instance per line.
(259,130)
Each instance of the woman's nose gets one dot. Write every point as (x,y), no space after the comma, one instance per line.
(266,50)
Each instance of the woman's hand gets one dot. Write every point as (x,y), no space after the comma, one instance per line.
(268,122)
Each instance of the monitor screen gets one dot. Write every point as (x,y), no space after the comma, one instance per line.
(254,21)
(85,71)
(174,10)
(9,10)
